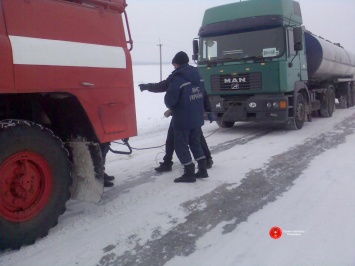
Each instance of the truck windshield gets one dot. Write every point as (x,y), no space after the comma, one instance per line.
(243,46)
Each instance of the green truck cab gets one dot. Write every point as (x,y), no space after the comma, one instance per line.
(260,64)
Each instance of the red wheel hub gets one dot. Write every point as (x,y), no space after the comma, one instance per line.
(25,186)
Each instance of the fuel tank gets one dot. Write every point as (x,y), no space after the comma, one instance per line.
(326,60)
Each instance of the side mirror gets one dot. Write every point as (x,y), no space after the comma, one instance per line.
(195,49)
(298,39)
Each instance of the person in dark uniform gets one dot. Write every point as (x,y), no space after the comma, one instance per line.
(185,98)
(162,86)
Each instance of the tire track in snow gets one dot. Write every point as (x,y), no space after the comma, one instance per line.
(239,141)
(148,176)
(233,204)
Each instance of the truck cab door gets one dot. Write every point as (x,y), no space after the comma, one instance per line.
(297,66)
(299,63)
(6,63)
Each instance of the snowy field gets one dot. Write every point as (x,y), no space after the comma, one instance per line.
(264,176)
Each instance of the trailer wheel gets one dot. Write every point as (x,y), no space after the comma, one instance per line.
(352,89)
(224,124)
(346,96)
(327,103)
(34,180)
(349,98)
(343,102)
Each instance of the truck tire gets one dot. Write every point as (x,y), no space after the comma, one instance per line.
(352,89)
(297,122)
(35,178)
(327,103)
(346,96)
(343,102)
(224,124)
(349,99)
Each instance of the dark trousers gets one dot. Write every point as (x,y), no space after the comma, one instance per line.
(169,145)
(186,140)
(204,146)
(105,147)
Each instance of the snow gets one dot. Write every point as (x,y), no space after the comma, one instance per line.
(317,214)
(263,176)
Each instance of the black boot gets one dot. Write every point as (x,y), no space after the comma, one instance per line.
(202,169)
(108,180)
(108,177)
(188,176)
(209,163)
(164,167)
(108,183)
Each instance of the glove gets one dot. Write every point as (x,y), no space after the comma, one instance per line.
(144,87)
(168,113)
(211,117)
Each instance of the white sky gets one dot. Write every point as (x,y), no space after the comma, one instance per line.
(175,24)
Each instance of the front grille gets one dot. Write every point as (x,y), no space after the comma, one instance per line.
(245,81)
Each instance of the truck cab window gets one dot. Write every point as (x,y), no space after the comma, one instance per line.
(210,49)
(290,43)
(244,45)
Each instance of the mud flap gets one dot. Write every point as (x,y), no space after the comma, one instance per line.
(88,171)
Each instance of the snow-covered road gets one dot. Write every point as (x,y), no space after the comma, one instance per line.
(264,176)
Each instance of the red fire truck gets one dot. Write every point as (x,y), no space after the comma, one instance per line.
(66,88)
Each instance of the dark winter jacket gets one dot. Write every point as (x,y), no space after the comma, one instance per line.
(162,86)
(185,97)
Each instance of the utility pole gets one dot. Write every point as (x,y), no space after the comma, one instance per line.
(161,74)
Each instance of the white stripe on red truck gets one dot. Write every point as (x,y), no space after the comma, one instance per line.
(35,51)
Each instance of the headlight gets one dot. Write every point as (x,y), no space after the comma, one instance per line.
(277,105)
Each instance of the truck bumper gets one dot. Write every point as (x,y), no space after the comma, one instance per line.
(252,108)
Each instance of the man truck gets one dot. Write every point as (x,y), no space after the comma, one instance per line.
(260,64)
(66,90)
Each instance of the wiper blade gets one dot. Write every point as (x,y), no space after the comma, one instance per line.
(252,58)
(231,59)
(212,62)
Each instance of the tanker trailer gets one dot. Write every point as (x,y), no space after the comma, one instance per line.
(330,66)
(260,64)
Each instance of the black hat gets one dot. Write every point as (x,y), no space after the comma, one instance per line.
(180,58)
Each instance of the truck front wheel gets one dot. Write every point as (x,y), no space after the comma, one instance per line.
(34,180)
(299,113)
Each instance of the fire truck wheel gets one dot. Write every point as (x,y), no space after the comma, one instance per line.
(34,179)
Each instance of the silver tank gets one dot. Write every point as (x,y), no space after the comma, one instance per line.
(327,61)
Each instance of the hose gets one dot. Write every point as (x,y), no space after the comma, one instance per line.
(125,142)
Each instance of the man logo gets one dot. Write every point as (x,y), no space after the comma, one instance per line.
(235,86)
(218,105)
(234,80)
(252,105)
